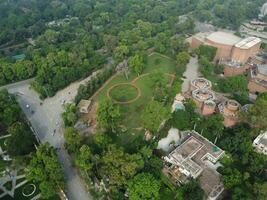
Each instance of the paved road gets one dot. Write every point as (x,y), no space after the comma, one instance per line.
(45,118)
(190,73)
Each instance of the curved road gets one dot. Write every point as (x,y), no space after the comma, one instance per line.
(45,118)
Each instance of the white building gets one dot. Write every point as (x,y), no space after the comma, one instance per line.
(260,143)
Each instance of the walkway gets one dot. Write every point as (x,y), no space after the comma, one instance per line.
(191,73)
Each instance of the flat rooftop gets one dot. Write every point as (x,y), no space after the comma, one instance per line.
(196,157)
(224,38)
(262,69)
(201,83)
(193,151)
(203,95)
(248,42)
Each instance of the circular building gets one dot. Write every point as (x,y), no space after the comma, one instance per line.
(200,83)
(204,99)
(229,109)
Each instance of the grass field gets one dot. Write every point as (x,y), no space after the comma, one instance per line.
(131,112)
(123,93)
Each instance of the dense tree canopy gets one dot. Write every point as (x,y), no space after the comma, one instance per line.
(118,166)
(108,115)
(144,186)
(45,170)
(153,115)
(257,114)
(21,141)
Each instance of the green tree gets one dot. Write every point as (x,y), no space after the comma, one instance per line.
(191,191)
(21,141)
(84,159)
(136,63)
(182,59)
(119,166)
(72,139)
(211,127)
(108,115)
(144,186)
(153,115)
(45,169)
(186,119)
(257,114)
(206,51)
(231,177)
(69,116)
(121,52)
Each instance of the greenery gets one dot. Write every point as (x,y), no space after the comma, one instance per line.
(72,139)
(143,186)
(257,114)
(87,90)
(243,168)
(21,141)
(108,115)
(123,93)
(190,191)
(157,66)
(45,170)
(69,116)
(206,51)
(236,86)
(154,115)
(118,166)
(13,122)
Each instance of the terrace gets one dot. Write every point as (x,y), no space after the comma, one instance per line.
(196,157)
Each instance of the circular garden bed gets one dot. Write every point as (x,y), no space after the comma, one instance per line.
(124,93)
(28,190)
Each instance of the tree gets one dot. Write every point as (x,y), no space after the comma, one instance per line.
(186,119)
(110,42)
(69,116)
(182,59)
(136,63)
(191,191)
(145,28)
(212,127)
(72,139)
(118,166)
(231,177)
(121,52)
(153,115)
(84,159)
(108,115)
(144,186)
(257,114)
(178,44)
(260,190)
(45,169)
(21,141)
(206,51)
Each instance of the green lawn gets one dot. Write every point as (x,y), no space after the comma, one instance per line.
(131,112)
(123,93)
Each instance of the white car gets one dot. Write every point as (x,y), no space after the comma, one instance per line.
(27,106)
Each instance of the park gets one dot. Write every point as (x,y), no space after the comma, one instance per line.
(133,95)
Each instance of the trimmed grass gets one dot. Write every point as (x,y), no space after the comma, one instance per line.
(123,93)
(131,112)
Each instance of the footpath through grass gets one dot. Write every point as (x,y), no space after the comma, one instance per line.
(131,112)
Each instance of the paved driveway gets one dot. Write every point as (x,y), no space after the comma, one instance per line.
(46,120)
(190,73)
